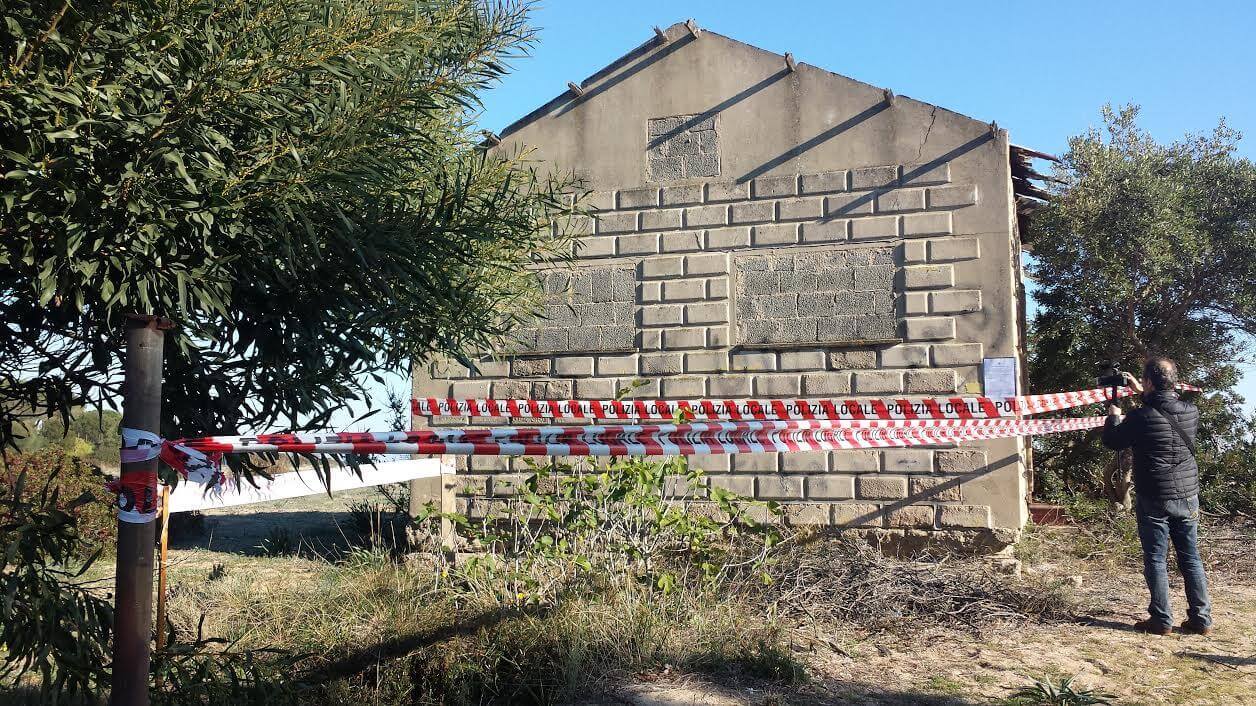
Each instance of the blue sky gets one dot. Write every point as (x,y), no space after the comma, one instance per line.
(1042,70)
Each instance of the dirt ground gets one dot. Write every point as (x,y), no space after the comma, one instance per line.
(940,667)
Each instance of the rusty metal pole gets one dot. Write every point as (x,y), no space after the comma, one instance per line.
(133,588)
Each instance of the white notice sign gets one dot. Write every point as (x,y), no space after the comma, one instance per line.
(999,375)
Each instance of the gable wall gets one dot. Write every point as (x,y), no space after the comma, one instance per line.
(775,234)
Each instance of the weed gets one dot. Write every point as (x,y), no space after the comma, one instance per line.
(278,542)
(1046,692)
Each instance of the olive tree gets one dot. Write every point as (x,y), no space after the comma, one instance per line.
(1145,248)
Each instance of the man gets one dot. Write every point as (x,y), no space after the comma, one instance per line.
(1166,484)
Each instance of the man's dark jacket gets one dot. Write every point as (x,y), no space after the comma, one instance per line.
(1164,467)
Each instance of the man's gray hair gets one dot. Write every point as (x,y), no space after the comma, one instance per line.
(1161,371)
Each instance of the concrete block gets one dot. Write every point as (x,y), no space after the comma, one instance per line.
(661,220)
(828,384)
(470,388)
(927,276)
(741,485)
(578,366)
(952,196)
(806,513)
(929,381)
(931,328)
(723,238)
(956,354)
(491,464)
(956,461)
(706,313)
(955,301)
(852,360)
(684,290)
(916,224)
(681,338)
(924,174)
(682,487)
(616,222)
(901,200)
(752,212)
(753,362)
(662,315)
(830,487)
(712,464)
(617,365)
(775,234)
(953,249)
(856,515)
(638,198)
(905,356)
(848,205)
(911,516)
(662,364)
(837,328)
(874,277)
(493,368)
(729,386)
(706,362)
(681,195)
(649,292)
(915,303)
(595,389)
(726,191)
(639,244)
(643,389)
(830,231)
(766,187)
(756,463)
(717,288)
(704,216)
(874,177)
(717,337)
(778,385)
(855,461)
(872,228)
(912,252)
(907,460)
(682,241)
(650,340)
(593,247)
(710,264)
(552,390)
(802,360)
(512,389)
(661,267)
(822,183)
(471,485)
(938,490)
(805,462)
(599,201)
(778,487)
(505,485)
(964,516)
(574,225)
(800,209)
(530,367)
(684,387)
(425,386)
(878,381)
(879,487)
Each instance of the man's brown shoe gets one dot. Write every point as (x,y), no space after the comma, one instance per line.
(1152,628)
(1194,628)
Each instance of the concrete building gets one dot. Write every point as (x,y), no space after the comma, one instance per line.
(766,228)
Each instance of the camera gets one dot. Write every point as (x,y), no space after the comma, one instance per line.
(1110,376)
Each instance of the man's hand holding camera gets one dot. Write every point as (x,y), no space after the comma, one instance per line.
(1134,384)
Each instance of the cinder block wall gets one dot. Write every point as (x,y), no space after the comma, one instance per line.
(837,283)
(763,233)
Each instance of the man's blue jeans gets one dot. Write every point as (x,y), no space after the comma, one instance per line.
(1160,521)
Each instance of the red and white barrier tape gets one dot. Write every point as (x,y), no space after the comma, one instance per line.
(137,491)
(963,407)
(646,440)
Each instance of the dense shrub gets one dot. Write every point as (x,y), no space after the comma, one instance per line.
(73,477)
